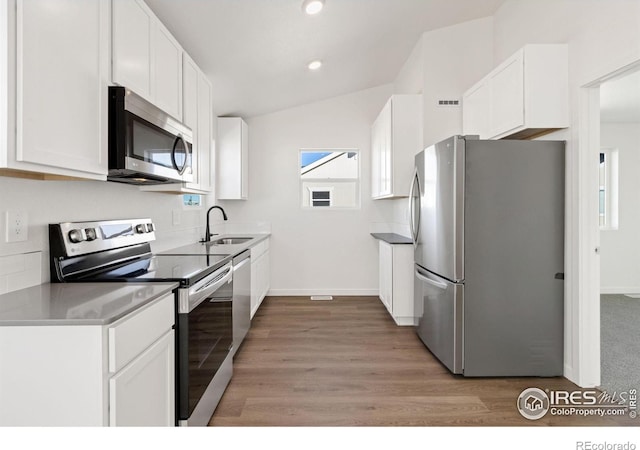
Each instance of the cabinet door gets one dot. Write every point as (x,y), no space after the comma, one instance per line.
(190,112)
(507,95)
(264,275)
(232,158)
(475,111)
(62,66)
(205,142)
(255,288)
(375,159)
(386,158)
(143,392)
(244,163)
(386,275)
(133,24)
(167,72)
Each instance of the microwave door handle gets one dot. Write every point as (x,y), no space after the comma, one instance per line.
(182,169)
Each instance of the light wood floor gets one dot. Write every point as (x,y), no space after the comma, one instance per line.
(345,363)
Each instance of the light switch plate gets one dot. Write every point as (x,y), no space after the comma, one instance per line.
(17,226)
(177,216)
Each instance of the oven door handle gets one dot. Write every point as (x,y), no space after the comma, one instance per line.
(206,287)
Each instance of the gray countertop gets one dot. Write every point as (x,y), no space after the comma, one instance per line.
(392,238)
(77,303)
(221,249)
(100,303)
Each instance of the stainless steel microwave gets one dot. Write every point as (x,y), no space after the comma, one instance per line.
(146,145)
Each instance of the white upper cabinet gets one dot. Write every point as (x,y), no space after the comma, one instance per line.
(525,96)
(146,58)
(233,159)
(475,116)
(396,137)
(167,87)
(54,89)
(204,134)
(198,115)
(133,25)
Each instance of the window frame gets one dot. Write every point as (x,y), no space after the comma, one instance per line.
(305,190)
(610,189)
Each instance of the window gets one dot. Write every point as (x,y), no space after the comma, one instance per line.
(330,178)
(191,200)
(608,193)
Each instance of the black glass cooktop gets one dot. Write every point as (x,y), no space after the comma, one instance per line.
(185,269)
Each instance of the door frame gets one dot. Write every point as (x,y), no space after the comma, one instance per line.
(583,339)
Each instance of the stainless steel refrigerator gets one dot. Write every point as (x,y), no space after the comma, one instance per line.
(487,221)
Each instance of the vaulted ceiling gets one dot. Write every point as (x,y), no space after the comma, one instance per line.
(256,52)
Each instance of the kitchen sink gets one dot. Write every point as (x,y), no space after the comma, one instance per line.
(229,241)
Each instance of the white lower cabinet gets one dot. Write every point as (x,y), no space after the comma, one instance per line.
(121,374)
(260,274)
(396,281)
(141,394)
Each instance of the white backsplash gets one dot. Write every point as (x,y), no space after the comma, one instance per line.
(20,271)
(24,264)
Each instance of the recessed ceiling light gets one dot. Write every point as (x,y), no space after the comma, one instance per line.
(312,7)
(315,65)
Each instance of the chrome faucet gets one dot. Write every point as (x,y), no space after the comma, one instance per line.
(207,234)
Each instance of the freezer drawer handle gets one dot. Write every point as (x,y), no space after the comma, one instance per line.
(438,284)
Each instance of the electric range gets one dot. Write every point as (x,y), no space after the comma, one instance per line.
(119,250)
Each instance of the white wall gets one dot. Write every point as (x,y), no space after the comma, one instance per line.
(26,263)
(442,66)
(620,249)
(314,252)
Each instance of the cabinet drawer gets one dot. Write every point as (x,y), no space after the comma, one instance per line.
(129,337)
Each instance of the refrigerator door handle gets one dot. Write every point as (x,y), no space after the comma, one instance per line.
(438,284)
(413,225)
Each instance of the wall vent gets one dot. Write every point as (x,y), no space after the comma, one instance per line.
(321,297)
(448,103)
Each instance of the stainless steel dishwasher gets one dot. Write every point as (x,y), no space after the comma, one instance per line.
(241,298)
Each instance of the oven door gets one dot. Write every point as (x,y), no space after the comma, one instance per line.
(205,336)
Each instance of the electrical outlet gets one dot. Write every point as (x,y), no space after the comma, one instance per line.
(17,226)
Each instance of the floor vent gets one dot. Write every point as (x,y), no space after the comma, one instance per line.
(321,297)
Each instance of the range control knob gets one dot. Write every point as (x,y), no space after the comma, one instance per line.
(76,236)
(150,227)
(141,228)
(91,234)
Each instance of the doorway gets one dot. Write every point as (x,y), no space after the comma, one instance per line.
(619,236)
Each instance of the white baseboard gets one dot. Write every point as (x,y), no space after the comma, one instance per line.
(620,290)
(310,292)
